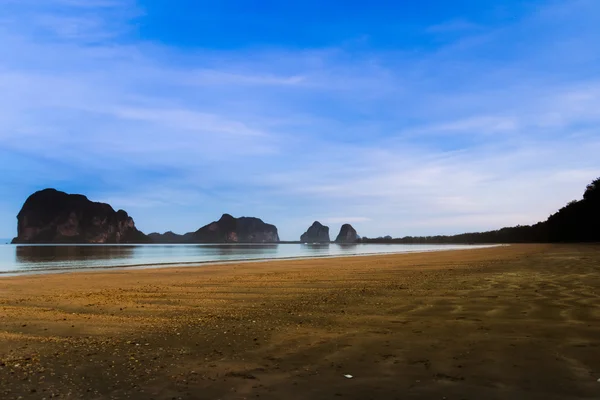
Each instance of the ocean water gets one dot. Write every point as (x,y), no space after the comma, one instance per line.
(25,259)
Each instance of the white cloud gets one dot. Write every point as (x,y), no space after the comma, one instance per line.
(470,191)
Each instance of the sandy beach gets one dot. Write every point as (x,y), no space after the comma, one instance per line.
(516,322)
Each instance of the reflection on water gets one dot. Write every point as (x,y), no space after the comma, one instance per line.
(315,248)
(242,250)
(316,245)
(347,246)
(34,258)
(36,254)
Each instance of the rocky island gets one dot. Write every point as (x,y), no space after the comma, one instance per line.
(237,230)
(51,216)
(317,233)
(227,229)
(347,235)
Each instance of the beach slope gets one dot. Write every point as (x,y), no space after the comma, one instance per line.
(516,322)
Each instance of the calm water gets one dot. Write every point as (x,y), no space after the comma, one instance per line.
(51,258)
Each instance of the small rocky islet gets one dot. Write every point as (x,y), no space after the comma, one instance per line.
(347,235)
(316,233)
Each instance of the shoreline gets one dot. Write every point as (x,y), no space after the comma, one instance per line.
(199,264)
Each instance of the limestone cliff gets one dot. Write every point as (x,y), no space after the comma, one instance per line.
(317,233)
(347,235)
(51,216)
(236,230)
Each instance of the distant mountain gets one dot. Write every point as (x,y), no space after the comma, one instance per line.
(170,237)
(4,241)
(51,216)
(578,221)
(226,230)
(316,233)
(236,230)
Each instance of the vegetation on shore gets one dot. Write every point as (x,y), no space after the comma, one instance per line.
(578,221)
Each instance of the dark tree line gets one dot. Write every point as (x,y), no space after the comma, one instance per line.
(578,221)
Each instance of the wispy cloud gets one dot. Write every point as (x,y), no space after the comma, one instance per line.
(345,220)
(215,77)
(480,132)
(182,119)
(457,25)
(479,125)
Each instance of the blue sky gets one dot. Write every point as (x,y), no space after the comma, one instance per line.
(402,118)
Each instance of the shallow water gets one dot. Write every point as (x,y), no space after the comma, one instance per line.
(23,259)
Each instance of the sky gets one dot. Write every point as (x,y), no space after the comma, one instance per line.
(399,117)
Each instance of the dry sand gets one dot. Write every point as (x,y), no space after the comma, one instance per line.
(518,322)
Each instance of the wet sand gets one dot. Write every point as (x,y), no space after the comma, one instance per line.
(517,322)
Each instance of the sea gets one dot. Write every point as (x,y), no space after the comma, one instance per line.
(35,259)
